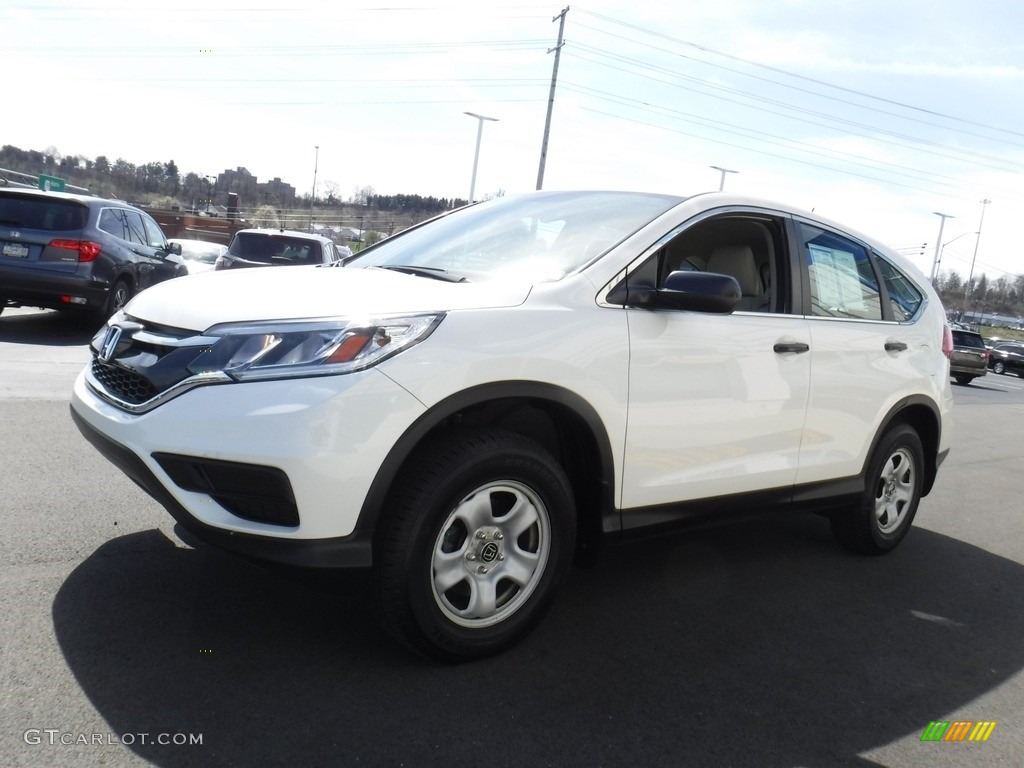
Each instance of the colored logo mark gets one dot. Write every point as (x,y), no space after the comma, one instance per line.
(958,730)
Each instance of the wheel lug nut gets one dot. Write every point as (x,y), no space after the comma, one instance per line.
(470,556)
(481,535)
(501,557)
(481,569)
(499,536)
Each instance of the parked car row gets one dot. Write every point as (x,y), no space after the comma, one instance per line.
(1007,357)
(974,355)
(79,253)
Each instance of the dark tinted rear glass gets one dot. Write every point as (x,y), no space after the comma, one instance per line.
(966,339)
(41,213)
(275,249)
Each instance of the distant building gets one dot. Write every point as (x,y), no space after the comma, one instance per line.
(239,181)
(276,192)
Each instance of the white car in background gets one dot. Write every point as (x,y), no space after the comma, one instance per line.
(469,405)
(199,255)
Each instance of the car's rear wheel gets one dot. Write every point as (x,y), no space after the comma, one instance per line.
(999,366)
(892,492)
(119,295)
(471,550)
(963,378)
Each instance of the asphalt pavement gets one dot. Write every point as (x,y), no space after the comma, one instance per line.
(756,644)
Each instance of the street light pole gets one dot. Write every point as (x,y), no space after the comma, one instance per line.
(938,243)
(312,197)
(721,183)
(977,240)
(476,154)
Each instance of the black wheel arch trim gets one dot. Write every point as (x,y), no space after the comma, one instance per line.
(897,414)
(539,393)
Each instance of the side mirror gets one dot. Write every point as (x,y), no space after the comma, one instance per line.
(174,248)
(692,291)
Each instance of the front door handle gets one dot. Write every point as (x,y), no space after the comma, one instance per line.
(895,346)
(798,347)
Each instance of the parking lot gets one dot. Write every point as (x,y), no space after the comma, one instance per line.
(759,644)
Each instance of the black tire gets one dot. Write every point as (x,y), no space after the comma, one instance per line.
(458,504)
(120,294)
(963,378)
(999,366)
(892,492)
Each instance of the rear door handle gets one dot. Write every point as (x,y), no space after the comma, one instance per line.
(895,346)
(798,347)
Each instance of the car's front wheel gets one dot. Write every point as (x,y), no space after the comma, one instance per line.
(892,491)
(999,366)
(471,550)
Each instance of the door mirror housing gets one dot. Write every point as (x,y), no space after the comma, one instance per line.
(692,291)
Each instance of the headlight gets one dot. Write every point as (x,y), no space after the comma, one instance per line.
(288,349)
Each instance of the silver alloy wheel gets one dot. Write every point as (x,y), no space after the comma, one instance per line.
(490,554)
(999,367)
(895,492)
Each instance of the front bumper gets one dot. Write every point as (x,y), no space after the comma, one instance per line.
(328,436)
(347,552)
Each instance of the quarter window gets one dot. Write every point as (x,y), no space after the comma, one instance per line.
(905,298)
(112,222)
(843,281)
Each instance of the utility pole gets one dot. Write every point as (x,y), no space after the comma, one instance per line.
(476,154)
(721,183)
(551,97)
(938,243)
(977,240)
(312,197)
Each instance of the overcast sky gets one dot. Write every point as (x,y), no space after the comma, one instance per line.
(875,113)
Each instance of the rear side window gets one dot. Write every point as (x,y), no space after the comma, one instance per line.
(46,214)
(966,339)
(279,250)
(843,281)
(134,227)
(905,298)
(112,222)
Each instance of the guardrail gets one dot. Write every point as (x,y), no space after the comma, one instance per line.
(9,178)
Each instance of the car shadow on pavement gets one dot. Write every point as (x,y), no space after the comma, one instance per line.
(49,328)
(759,645)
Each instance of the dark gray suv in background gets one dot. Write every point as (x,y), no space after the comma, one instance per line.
(73,252)
(970,356)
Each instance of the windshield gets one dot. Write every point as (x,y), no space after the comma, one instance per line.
(537,237)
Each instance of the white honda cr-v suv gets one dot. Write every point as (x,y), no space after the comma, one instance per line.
(468,406)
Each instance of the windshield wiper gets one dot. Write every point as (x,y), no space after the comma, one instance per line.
(435,272)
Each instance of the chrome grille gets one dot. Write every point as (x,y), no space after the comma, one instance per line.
(123,384)
(144,365)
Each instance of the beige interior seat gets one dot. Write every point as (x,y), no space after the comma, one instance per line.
(738,261)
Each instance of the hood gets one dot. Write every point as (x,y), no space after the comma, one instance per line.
(199,301)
